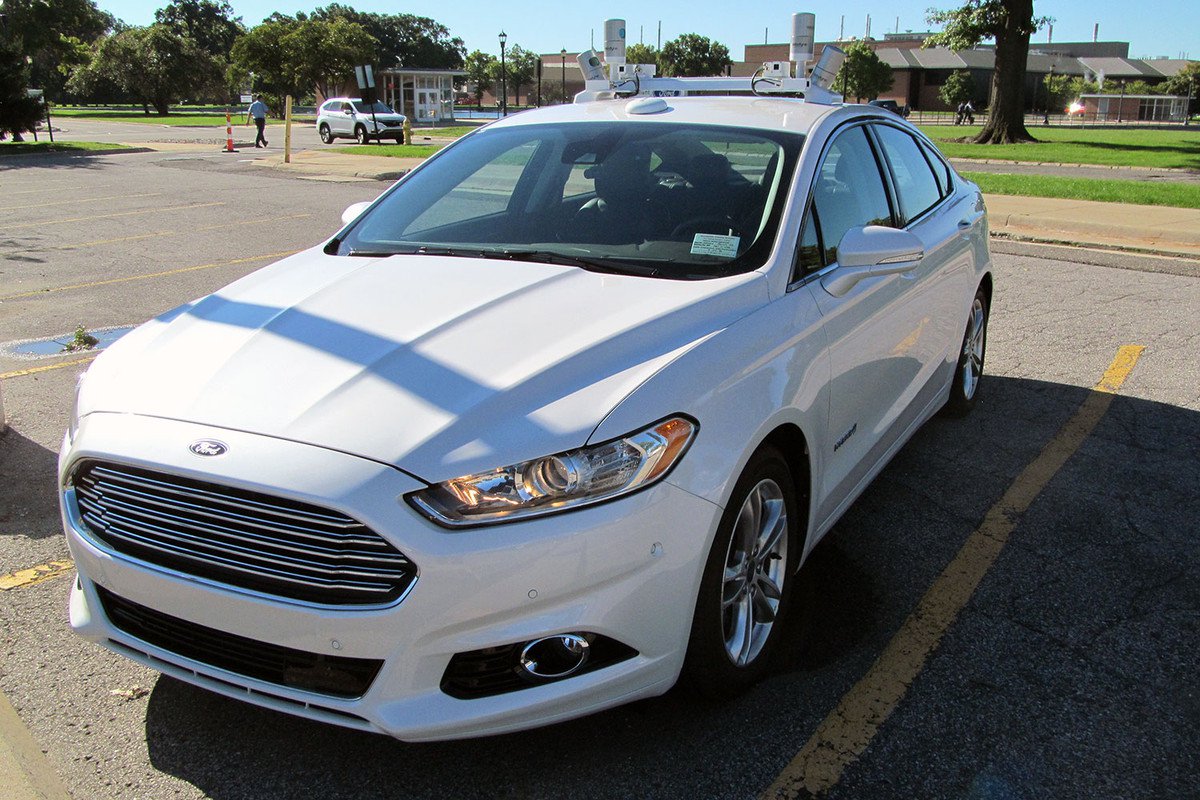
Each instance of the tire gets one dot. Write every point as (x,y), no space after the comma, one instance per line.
(360,134)
(964,389)
(326,134)
(732,641)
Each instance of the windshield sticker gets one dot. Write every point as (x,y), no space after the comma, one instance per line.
(715,244)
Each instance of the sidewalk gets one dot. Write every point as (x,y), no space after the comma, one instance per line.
(1154,229)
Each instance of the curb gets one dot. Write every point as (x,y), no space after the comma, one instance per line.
(1014,236)
(79,153)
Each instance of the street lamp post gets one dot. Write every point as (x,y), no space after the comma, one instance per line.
(1049,95)
(563,53)
(1187,107)
(503,78)
(1121,104)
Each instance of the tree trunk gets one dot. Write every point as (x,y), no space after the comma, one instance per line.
(162,107)
(1006,107)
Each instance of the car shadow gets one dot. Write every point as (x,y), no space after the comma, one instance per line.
(860,584)
(28,503)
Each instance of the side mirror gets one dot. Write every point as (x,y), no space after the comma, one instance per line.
(869,252)
(352,211)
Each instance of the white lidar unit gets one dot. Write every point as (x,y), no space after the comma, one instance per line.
(624,80)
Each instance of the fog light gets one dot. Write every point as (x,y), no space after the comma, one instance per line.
(554,657)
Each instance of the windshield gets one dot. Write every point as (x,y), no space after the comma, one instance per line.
(367,108)
(661,199)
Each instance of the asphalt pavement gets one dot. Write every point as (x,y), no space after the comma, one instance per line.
(1067,673)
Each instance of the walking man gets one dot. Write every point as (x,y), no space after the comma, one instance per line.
(258,110)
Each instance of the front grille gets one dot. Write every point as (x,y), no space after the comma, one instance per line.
(336,676)
(240,538)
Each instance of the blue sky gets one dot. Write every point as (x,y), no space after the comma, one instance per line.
(1159,28)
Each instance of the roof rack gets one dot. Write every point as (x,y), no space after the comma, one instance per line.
(774,78)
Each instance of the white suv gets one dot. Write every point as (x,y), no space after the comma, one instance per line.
(553,421)
(352,118)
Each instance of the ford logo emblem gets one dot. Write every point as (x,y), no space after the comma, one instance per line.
(209,447)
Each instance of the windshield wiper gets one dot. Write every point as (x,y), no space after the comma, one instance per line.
(590,264)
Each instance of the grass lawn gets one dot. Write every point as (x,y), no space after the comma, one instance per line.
(445,133)
(391,150)
(10,148)
(1104,146)
(1178,195)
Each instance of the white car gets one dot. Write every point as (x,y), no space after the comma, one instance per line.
(553,421)
(353,118)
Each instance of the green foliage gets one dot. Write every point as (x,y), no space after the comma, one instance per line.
(154,65)
(18,111)
(82,340)
(521,69)
(641,54)
(293,56)
(692,55)
(863,74)
(481,69)
(958,88)
(977,20)
(210,24)
(56,35)
(402,39)
(1179,84)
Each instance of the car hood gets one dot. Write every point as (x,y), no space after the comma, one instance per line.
(440,366)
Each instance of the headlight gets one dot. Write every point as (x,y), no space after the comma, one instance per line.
(559,482)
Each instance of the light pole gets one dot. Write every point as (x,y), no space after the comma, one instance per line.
(503,79)
(1049,95)
(563,53)
(1121,103)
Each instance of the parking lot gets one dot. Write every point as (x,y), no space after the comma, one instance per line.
(1011,610)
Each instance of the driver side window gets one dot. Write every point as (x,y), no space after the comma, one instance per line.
(849,191)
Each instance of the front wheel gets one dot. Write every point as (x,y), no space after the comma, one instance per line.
(360,134)
(326,134)
(746,588)
(964,390)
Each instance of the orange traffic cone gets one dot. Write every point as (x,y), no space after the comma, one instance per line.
(228,135)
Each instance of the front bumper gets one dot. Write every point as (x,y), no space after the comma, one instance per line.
(628,570)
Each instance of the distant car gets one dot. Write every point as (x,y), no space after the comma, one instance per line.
(553,421)
(353,118)
(890,105)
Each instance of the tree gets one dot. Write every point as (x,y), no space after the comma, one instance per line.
(520,67)
(863,73)
(289,55)
(641,54)
(154,65)
(958,88)
(56,34)
(209,24)
(403,39)
(692,55)
(18,111)
(1185,82)
(1010,23)
(481,68)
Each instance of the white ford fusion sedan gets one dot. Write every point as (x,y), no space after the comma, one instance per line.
(550,424)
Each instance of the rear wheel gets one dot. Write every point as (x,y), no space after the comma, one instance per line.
(964,391)
(747,584)
(326,134)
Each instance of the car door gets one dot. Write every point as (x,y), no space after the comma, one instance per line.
(345,120)
(876,332)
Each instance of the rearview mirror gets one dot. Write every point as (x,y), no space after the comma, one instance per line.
(869,252)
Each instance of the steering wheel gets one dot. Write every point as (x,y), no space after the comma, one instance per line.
(713,222)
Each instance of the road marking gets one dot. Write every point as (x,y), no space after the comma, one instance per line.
(147,276)
(42,190)
(45,222)
(33,575)
(848,730)
(78,200)
(25,770)
(201,229)
(34,370)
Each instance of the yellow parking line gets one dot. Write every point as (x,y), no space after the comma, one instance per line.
(52,189)
(201,229)
(77,200)
(38,574)
(848,730)
(46,368)
(45,222)
(148,275)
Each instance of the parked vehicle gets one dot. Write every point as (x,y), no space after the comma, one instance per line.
(554,420)
(352,118)
(891,105)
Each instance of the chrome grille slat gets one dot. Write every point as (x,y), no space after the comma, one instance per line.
(240,538)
